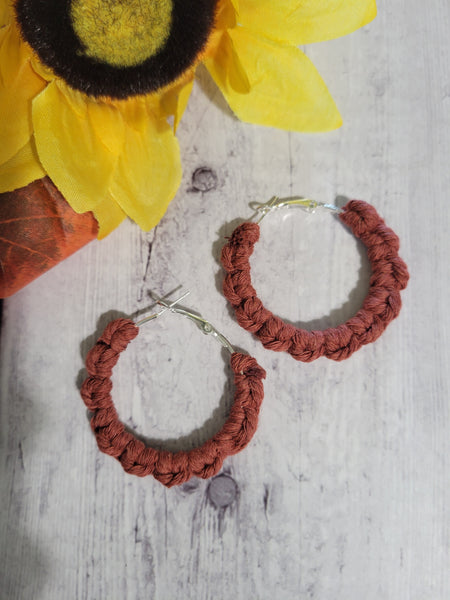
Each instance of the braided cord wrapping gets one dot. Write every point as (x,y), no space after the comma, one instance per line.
(170,468)
(381,306)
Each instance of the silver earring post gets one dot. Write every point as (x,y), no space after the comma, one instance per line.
(205,326)
(163,310)
(305,203)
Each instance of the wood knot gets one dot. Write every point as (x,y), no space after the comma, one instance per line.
(222,491)
(204,179)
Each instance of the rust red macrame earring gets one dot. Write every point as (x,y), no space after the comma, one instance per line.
(381,306)
(170,468)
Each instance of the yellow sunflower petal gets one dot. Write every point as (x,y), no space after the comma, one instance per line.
(149,170)
(42,70)
(225,65)
(20,170)
(109,215)
(306,21)
(78,142)
(5,12)
(19,84)
(174,101)
(226,14)
(286,91)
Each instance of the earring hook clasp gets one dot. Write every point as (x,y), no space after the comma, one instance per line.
(306,203)
(205,326)
(163,310)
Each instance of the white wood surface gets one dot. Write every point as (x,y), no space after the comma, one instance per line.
(344,492)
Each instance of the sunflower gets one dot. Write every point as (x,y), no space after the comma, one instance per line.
(88,88)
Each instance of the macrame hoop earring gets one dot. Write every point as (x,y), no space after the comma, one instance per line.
(381,306)
(170,468)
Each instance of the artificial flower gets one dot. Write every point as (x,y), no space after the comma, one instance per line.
(88,87)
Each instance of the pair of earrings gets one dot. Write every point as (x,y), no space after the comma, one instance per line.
(381,306)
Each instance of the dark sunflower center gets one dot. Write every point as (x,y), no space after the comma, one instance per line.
(117,48)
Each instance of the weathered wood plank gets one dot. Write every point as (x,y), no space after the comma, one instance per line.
(343,492)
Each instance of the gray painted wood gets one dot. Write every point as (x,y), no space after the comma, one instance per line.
(343,493)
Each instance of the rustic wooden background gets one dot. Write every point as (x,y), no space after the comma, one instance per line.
(344,492)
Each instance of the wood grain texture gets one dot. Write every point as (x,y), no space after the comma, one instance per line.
(343,493)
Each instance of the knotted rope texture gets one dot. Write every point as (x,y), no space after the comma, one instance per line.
(170,468)
(381,306)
